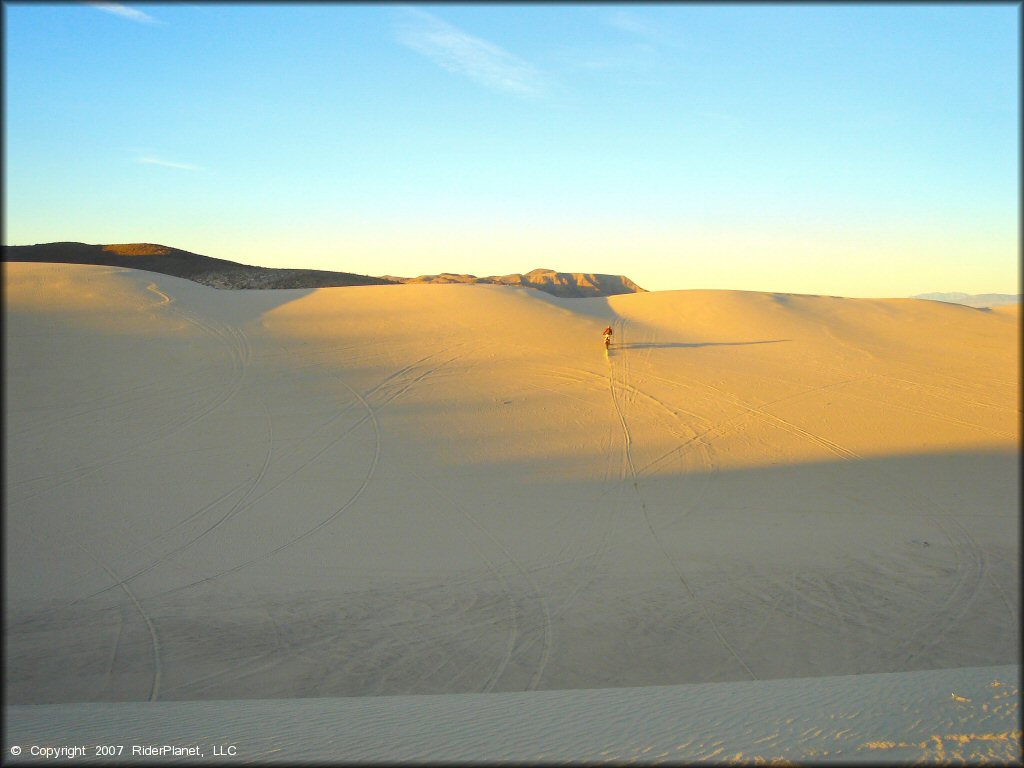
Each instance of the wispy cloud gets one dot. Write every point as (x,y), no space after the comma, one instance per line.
(636,57)
(640,51)
(643,26)
(628,21)
(125,12)
(462,53)
(151,160)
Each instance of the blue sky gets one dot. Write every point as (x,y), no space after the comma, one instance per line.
(857,150)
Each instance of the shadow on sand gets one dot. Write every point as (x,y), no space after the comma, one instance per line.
(674,345)
(851,562)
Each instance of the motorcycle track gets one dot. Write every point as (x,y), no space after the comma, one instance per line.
(627,441)
(970,557)
(238,352)
(370,416)
(154,638)
(154,690)
(513,606)
(237,507)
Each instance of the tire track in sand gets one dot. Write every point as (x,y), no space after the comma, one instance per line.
(238,349)
(513,606)
(627,437)
(971,568)
(748,411)
(237,507)
(371,416)
(154,638)
(154,690)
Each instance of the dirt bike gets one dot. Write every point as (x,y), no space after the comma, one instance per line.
(607,340)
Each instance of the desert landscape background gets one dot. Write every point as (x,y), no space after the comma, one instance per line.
(221,273)
(453,489)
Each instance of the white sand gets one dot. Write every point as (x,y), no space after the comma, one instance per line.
(940,716)
(452,489)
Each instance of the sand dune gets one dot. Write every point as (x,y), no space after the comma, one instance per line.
(429,489)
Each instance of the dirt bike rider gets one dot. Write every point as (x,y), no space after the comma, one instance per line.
(607,335)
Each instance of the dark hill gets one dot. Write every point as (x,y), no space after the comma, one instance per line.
(218,273)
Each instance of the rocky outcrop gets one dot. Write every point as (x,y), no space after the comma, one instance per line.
(573,285)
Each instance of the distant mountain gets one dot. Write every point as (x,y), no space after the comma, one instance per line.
(972,300)
(220,273)
(573,285)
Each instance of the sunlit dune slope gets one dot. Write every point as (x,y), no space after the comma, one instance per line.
(1009,310)
(99,297)
(768,378)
